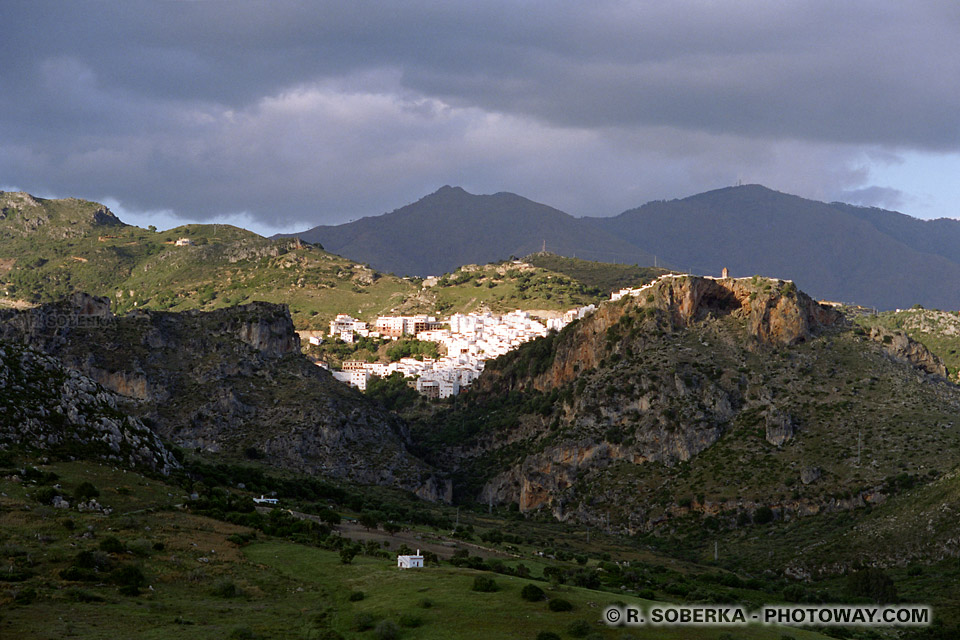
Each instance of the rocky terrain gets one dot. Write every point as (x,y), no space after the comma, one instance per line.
(230,381)
(706,398)
(50,410)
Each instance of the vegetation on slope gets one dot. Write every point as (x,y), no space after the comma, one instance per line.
(51,248)
(605,276)
(938,331)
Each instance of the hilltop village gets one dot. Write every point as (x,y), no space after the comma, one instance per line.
(469,340)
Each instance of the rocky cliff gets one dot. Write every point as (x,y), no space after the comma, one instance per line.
(696,392)
(772,312)
(230,381)
(48,408)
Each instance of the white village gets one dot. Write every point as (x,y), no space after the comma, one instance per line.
(469,340)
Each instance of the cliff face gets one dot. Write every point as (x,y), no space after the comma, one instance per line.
(732,388)
(231,380)
(901,347)
(47,408)
(773,313)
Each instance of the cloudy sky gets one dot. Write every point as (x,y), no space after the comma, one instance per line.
(280,115)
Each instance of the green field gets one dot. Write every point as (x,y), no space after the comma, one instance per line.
(205,578)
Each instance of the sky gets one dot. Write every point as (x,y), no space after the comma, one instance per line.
(279,116)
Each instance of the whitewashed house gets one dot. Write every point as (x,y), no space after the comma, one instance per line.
(263,500)
(410,562)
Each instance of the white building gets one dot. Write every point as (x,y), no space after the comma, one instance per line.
(262,500)
(410,562)
(346,324)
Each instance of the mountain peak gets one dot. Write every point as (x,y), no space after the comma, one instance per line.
(448,190)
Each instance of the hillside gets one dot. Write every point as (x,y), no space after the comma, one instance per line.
(50,410)
(605,276)
(52,248)
(938,331)
(451,227)
(230,382)
(837,252)
(715,400)
(190,557)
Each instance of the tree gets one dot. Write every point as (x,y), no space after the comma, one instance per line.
(368,521)
(392,528)
(347,554)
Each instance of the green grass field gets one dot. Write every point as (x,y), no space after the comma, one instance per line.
(198,582)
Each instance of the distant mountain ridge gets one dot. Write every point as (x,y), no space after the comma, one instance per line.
(835,251)
(451,227)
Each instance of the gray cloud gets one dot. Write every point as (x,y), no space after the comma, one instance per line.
(302,113)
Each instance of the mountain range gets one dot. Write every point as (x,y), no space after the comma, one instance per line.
(451,227)
(835,251)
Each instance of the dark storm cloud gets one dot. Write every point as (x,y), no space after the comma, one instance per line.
(310,112)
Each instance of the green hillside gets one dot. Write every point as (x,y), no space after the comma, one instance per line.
(50,248)
(159,564)
(605,276)
(937,330)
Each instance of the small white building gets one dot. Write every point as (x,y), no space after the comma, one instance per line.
(184,242)
(410,562)
(262,500)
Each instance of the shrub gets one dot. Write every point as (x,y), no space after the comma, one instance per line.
(25,595)
(45,495)
(226,589)
(532,593)
(559,604)
(130,578)
(410,620)
(357,596)
(579,629)
(547,635)
(874,584)
(363,621)
(387,630)
(112,545)
(242,633)
(140,547)
(426,603)
(484,584)
(80,595)
(763,515)
(85,491)
(347,554)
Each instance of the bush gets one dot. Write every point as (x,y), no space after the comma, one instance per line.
(80,595)
(85,491)
(547,635)
(45,495)
(347,554)
(25,595)
(579,629)
(226,589)
(484,584)
(242,633)
(874,584)
(559,604)
(410,620)
(763,515)
(130,578)
(532,593)
(426,603)
(363,621)
(387,630)
(356,596)
(112,545)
